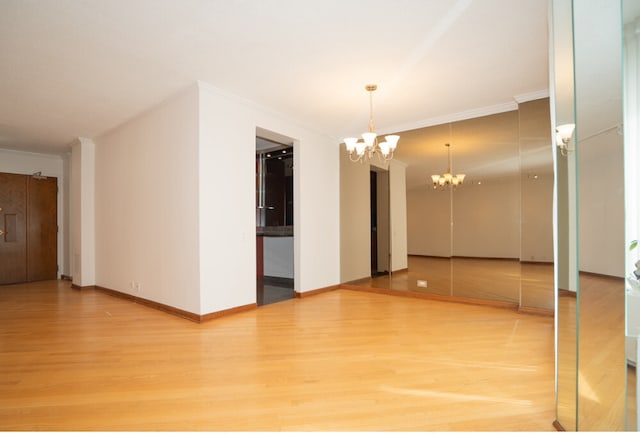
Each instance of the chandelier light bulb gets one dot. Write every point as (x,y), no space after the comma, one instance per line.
(369,138)
(350,143)
(392,140)
(384,148)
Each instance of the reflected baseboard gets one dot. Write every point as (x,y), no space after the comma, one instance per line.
(536,311)
(465,257)
(431,296)
(456,299)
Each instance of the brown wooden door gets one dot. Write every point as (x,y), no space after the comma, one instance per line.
(28,226)
(13,228)
(42,228)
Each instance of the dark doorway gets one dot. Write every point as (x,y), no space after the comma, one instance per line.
(274,221)
(380,222)
(374,222)
(28,228)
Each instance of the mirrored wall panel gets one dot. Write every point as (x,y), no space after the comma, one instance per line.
(591,361)
(631,121)
(562,95)
(490,237)
(599,159)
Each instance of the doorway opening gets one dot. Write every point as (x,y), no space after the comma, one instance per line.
(380,222)
(274,220)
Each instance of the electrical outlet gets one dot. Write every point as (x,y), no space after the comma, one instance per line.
(138,287)
(422,283)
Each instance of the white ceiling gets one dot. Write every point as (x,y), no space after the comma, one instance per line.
(73,68)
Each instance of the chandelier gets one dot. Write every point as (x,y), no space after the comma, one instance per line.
(447,179)
(361,151)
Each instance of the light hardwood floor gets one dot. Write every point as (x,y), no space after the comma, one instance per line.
(338,361)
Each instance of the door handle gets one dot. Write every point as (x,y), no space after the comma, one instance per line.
(1,233)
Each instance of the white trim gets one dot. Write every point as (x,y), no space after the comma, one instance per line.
(471,113)
(530,96)
(460,116)
(56,156)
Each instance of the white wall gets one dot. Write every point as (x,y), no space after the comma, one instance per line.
(227,200)
(599,149)
(146,194)
(398,212)
(52,165)
(537,218)
(486,220)
(175,199)
(355,218)
(601,205)
(82,216)
(429,222)
(355,215)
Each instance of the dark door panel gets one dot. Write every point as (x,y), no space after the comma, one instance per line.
(13,228)
(42,229)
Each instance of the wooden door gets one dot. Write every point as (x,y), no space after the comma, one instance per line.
(28,228)
(13,228)
(42,228)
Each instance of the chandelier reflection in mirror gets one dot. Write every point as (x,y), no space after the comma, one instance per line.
(564,133)
(365,150)
(447,179)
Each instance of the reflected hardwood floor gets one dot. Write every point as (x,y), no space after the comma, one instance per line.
(338,361)
(601,365)
(601,357)
(567,362)
(525,284)
(632,407)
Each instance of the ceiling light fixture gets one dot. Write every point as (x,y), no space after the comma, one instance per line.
(447,179)
(563,136)
(361,151)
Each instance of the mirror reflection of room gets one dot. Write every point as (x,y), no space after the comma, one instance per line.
(489,238)
(631,78)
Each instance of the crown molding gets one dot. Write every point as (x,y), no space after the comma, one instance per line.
(530,96)
(471,113)
(453,117)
